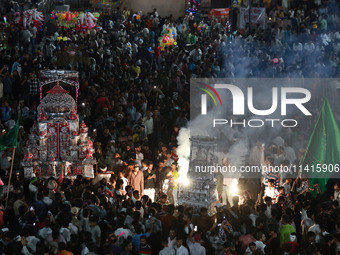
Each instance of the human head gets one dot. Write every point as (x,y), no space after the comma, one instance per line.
(268,201)
(281,190)
(271,183)
(136,167)
(252,246)
(136,194)
(204,211)
(143,240)
(260,237)
(179,241)
(172,233)
(150,165)
(337,186)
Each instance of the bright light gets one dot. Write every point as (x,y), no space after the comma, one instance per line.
(234,187)
(185,181)
(183,167)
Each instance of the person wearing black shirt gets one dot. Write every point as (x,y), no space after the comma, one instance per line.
(159,179)
(105,138)
(28,123)
(149,181)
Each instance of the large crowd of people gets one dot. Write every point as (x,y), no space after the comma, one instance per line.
(134,97)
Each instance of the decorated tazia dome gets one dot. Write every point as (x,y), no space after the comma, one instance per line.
(58,143)
(58,101)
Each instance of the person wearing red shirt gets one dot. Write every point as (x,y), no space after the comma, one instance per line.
(157,50)
(103,100)
(148,23)
(292,246)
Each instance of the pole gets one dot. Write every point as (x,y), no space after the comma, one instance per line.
(157,96)
(249,28)
(10,177)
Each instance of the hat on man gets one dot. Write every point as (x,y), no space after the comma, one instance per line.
(52,184)
(74,210)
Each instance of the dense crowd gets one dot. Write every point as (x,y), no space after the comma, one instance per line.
(134,97)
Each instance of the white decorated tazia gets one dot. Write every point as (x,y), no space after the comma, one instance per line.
(199,189)
(58,144)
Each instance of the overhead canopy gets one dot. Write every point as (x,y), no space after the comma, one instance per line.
(221,12)
(50,76)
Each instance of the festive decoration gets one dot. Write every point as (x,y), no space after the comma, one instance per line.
(168,37)
(58,101)
(86,21)
(79,20)
(65,19)
(191,11)
(190,16)
(58,145)
(193,5)
(29,17)
(202,27)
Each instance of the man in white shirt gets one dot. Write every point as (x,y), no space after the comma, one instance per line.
(194,244)
(196,54)
(287,185)
(319,231)
(45,231)
(139,155)
(260,238)
(271,191)
(148,123)
(26,39)
(167,250)
(316,230)
(172,239)
(65,232)
(125,180)
(307,223)
(180,249)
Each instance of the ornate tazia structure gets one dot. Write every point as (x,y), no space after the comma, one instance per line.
(57,142)
(201,188)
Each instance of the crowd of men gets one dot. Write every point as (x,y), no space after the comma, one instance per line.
(134,97)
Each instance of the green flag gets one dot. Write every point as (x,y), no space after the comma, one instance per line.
(10,139)
(323,149)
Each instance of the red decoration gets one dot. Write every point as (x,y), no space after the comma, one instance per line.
(73,115)
(57,89)
(78,170)
(43,116)
(90,143)
(58,140)
(28,156)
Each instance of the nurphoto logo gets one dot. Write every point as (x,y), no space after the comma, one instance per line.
(244,101)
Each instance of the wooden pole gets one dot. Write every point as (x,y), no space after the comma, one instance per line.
(10,177)
(157,96)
